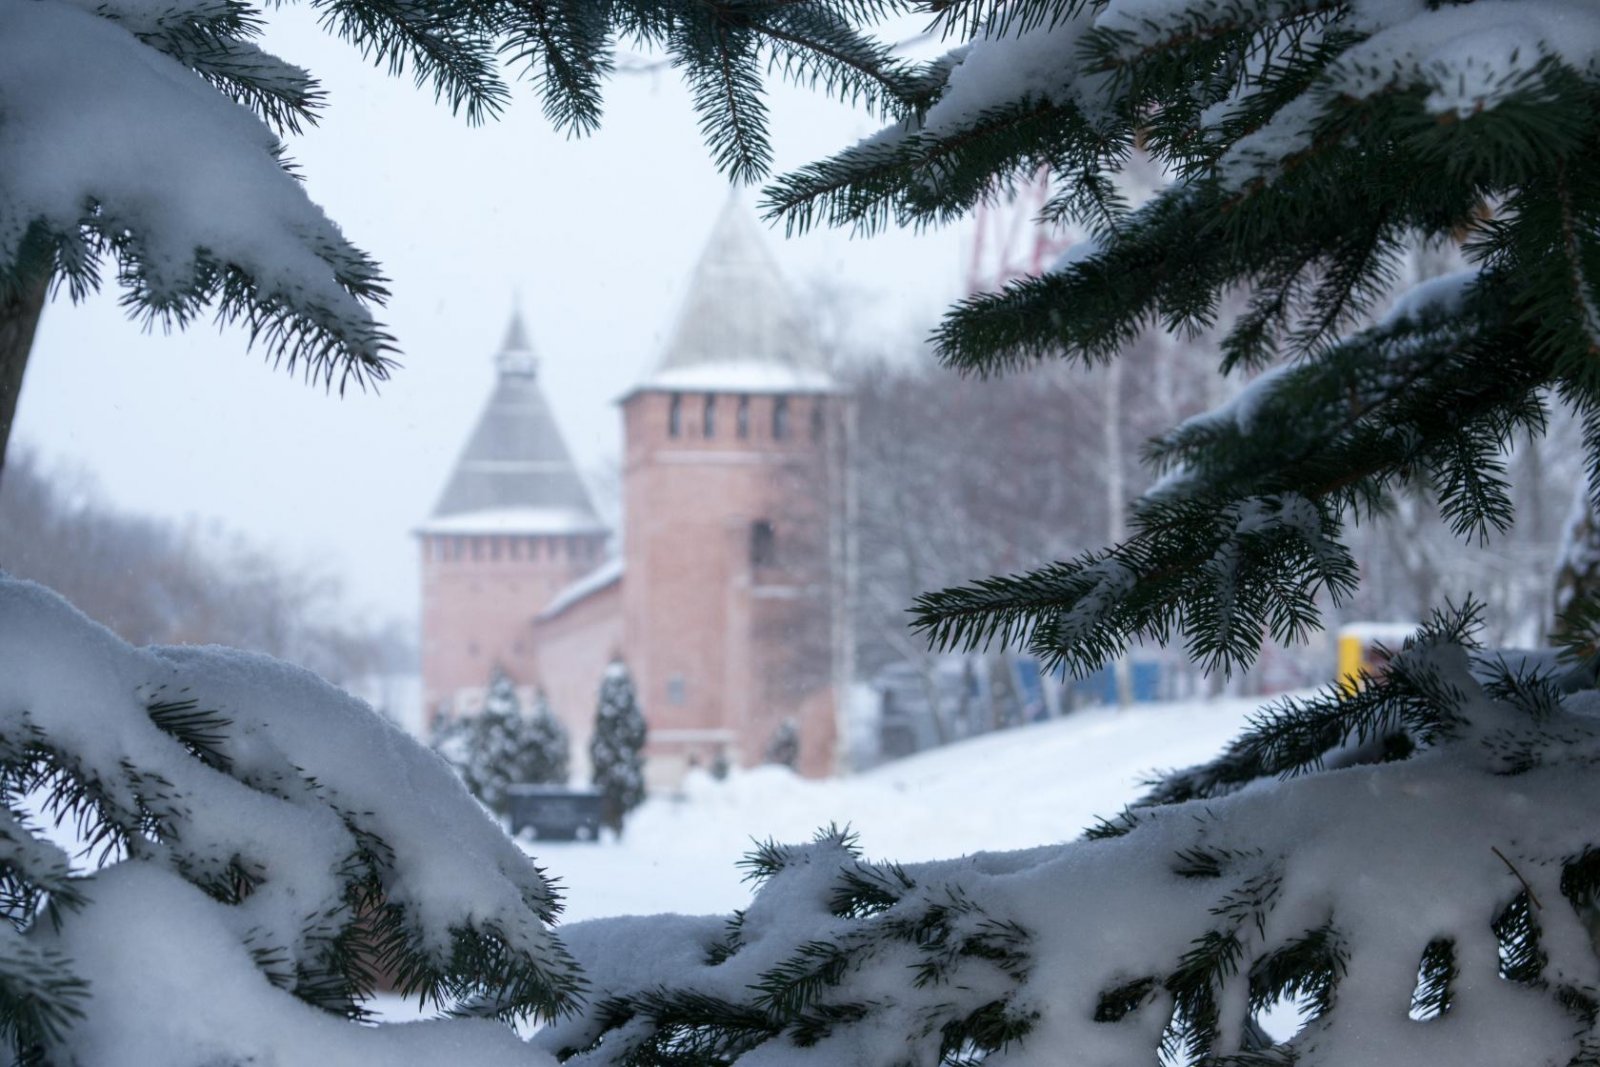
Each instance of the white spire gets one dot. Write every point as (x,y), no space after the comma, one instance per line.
(738,308)
(516,355)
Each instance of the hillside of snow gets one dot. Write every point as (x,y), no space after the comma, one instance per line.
(1032,785)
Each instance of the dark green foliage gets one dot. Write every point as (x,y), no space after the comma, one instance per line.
(1426,400)
(1577,632)
(783,748)
(616,748)
(377,939)
(1116,1004)
(501,747)
(40,993)
(1412,704)
(1580,879)
(1216,957)
(1517,932)
(1306,969)
(1205,861)
(1119,825)
(40,996)
(683,1029)
(552,749)
(202,731)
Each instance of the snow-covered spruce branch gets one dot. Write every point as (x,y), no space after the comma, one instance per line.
(116,151)
(1105,293)
(1386,717)
(1225,575)
(256,848)
(1310,142)
(1429,394)
(214,40)
(909,177)
(1424,885)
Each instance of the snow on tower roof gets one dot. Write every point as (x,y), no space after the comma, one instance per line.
(515,474)
(602,577)
(744,376)
(740,327)
(516,521)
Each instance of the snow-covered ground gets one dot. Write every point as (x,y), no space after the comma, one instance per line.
(1028,786)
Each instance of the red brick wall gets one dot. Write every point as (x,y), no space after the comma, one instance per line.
(573,649)
(479,597)
(704,627)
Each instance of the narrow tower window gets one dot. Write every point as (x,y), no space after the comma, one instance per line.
(741,419)
(763,544)
(675,416)
(708,425)
(780,418)
(816,419)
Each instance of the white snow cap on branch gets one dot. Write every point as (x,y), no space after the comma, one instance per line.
(1375,863)
(109,144)
(1469,57)
(173,985)
(298,781)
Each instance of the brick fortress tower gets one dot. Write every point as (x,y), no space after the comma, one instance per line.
(512,528)
(730,477)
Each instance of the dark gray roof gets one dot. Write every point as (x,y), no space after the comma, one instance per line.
(516,463)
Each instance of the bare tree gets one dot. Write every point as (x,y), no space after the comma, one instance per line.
(934,512)
(155,582)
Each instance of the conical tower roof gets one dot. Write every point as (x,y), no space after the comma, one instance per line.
(740,326)
(515,475)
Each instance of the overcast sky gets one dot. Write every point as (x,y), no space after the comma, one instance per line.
(596,236)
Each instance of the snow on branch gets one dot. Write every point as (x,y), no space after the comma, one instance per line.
(256,848)
(112,149)
(1424,902)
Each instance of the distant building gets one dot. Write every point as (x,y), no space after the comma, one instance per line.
(513,528)
(722,597)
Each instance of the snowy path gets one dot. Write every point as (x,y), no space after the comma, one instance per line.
(1030,786)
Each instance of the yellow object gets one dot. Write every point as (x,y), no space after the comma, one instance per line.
(1350,649)
(1366,647)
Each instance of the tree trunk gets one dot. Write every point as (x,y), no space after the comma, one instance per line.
(1116,501)
(1578,568)
(19,317)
